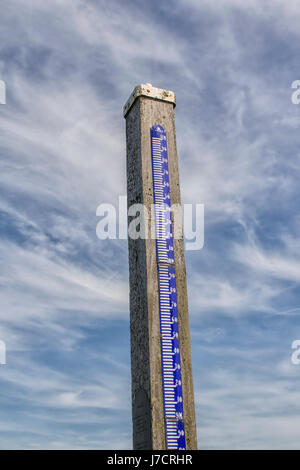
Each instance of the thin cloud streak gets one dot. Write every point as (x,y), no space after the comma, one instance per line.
(69,67)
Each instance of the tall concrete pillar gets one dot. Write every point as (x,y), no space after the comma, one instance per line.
(147,107)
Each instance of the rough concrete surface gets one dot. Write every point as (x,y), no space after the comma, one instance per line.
(146,370)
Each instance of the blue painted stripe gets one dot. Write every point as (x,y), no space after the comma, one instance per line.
(170,351)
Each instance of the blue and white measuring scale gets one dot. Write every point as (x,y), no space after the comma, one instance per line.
(168,311)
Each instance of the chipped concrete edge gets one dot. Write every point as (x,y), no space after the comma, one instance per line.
(146,89)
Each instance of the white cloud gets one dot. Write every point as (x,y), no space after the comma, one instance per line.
(72,66)
(277,264)
(235,296)
(248,409)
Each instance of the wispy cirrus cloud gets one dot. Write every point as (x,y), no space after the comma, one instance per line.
(69,67)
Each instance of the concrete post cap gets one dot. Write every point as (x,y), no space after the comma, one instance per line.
(146,89)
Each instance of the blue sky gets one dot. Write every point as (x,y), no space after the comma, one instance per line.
(69,66)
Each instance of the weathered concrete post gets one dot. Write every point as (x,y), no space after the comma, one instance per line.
(146,107)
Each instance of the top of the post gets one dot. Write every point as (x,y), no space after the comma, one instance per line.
(146,89)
